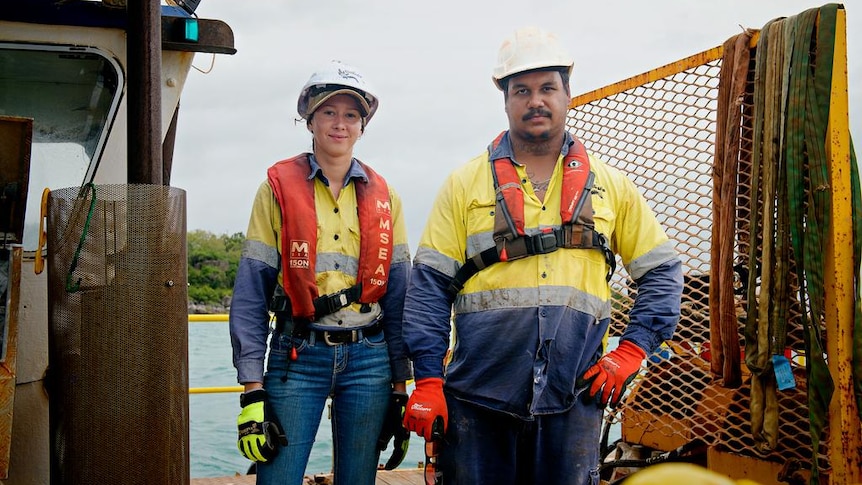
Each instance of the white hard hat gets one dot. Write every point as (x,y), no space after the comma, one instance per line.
(336,78)
(527,49)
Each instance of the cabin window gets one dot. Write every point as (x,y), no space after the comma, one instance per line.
(72,94)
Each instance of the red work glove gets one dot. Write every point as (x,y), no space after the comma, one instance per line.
(613,372)
(425,404)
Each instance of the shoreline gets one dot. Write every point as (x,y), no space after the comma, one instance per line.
(207,309)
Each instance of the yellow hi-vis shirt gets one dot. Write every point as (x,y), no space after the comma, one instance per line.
(462,224)
(526,329)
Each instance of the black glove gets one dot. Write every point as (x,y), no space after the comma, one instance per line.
(260,432)
(393,427)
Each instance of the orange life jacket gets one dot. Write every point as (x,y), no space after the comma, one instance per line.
(295,196)
(512,242)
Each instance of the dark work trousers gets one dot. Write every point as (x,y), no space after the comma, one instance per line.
(489,447)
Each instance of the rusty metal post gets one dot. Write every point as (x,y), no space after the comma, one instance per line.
(845,444)
(144,53)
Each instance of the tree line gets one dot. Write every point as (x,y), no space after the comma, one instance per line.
(212,264)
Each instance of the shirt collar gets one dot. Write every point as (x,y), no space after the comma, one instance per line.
(355,171)
(504,148)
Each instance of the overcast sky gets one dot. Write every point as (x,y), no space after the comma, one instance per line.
(430,63)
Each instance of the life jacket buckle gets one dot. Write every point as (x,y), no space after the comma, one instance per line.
(543,243)
(329,304)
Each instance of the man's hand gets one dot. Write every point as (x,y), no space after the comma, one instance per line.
(613,372)
(425,404)
(259,431)
(393,427)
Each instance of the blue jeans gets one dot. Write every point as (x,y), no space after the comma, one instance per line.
(484,446)
(357,377)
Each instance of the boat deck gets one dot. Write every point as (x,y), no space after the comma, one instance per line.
(391,477)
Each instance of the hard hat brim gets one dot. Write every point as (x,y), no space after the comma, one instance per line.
(316,101)
(501,81)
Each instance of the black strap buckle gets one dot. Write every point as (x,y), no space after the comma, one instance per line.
(543,243)
(331,303)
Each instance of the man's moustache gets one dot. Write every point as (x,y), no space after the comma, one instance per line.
(537,112)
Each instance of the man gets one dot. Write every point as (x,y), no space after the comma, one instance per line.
(527,276)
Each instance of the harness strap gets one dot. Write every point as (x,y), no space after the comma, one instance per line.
(331,303)
(568,236)
(511,241)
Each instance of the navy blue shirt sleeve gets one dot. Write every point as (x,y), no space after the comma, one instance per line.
(392,304)
(655,314)
(427,320)
(249,317)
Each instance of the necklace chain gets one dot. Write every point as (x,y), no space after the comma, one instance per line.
(541,185)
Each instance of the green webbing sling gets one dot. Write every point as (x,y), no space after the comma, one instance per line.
(790,166)
(857,254)
(810,210)
(857,260)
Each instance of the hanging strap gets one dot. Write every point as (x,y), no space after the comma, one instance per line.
(723,322)
(809,204)
(76,286)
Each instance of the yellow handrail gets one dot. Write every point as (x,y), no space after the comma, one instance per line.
(213,317)
(213,390)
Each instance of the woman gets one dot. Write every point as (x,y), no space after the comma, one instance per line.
(326,252)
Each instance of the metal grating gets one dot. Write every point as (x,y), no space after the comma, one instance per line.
(118,335)
(661,133)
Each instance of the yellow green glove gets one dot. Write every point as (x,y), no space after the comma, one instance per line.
(259,431)
(394,428)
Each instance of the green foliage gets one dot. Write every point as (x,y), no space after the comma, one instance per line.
(213,261)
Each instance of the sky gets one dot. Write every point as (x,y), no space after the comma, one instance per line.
(430,64)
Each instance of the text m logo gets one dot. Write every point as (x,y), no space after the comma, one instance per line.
(298,249)
(383,206)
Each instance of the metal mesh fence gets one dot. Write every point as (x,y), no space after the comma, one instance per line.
(118,335)
(661,133)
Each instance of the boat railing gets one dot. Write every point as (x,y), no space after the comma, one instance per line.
(211,318)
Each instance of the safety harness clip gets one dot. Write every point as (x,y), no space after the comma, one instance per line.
(543,243)
(329,304)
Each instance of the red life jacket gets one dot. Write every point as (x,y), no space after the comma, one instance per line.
(512,242)
(295,196)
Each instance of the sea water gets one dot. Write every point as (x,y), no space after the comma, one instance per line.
(212,416)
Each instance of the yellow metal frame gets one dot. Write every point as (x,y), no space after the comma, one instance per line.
(845,438)
(653,75)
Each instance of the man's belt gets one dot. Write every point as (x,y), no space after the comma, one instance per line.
(337,337)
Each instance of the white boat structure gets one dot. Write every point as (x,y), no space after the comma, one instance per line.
(94,385)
